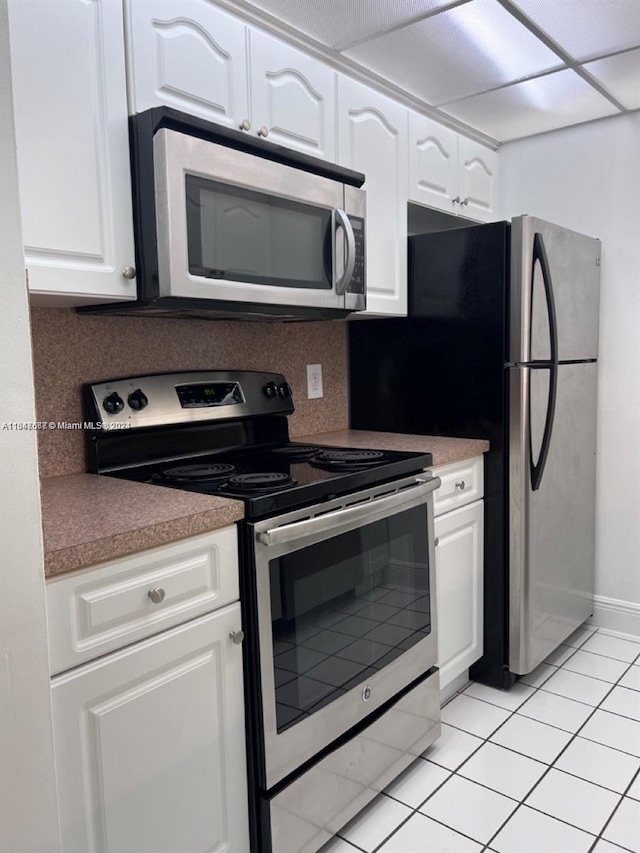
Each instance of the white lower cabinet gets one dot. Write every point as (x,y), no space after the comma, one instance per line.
(150,745)
(459,583)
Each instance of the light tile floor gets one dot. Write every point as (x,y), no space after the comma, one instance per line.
(552,766)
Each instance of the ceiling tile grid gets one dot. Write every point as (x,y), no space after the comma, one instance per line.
(466,50)
(586,28)
(339,23)
(620,74)
(533,106)
(507,68)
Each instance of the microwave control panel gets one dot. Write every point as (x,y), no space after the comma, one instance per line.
(356,285)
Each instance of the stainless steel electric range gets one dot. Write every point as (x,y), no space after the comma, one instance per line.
(337,586)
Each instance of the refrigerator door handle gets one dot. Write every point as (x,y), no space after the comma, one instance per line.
(540,255)
(536,469)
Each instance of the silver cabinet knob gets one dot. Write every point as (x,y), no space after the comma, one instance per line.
(129,272)
(465,200)
(156,595)
(236,637)
(460,485)
(455,200)
(436,542)
(245,124)
(264,131)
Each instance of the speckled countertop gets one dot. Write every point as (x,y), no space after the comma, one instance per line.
(87,518)
(444,450)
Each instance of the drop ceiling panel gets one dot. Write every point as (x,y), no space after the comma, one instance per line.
(340,22)
(620,75)
(534,106)
(586,28)
(456,53)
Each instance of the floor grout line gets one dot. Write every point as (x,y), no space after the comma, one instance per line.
(548,765)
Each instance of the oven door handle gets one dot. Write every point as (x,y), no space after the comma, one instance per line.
(332,522)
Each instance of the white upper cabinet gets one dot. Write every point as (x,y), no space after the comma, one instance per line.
(189,55)
(477,180)
(433,164)
(372,138)
(450,172)
(192,56)
(293,97)
(69,93)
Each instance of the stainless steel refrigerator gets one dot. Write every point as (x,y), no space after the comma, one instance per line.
(501,342)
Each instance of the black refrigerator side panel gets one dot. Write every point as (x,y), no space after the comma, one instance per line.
(441,371)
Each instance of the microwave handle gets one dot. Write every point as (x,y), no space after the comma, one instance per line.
(341,220)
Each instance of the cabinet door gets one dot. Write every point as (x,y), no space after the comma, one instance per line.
(372,138)
(459,576)
(73,149)
(189,55)
(293,97)
(477,180)
(433,164)
(150,745)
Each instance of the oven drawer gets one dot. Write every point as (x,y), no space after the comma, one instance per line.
(462,483)
(97,610)
(305,814)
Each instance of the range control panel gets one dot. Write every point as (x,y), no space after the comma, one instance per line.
(174,398)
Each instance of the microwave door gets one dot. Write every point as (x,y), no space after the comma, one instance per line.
(238,228)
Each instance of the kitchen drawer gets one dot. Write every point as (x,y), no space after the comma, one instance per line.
(100,609)
(462,484)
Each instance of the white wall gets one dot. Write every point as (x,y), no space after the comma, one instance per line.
(28,818)
(587,178)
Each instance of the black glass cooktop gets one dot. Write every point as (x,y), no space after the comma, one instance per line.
(277,478)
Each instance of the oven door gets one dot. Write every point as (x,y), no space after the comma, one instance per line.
(345,594)
(236,227)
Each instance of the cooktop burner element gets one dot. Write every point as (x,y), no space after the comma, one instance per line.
(266,481)
(348,460)
(197,473)
(294,452)
(218,433)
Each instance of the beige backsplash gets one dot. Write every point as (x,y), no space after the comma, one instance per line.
(70,349)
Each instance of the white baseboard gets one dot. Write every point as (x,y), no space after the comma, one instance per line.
(615,615)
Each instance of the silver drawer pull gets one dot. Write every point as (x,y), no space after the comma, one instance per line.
(236,637)
(460,485)
(436,542)
(156,595)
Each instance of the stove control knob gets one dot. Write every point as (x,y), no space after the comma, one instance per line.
(113,403)
(137,400)
(270,390)
(284,390)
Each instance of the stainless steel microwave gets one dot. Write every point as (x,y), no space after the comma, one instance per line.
(229,224)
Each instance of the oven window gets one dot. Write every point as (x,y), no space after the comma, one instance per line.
(237,234)
(344,608)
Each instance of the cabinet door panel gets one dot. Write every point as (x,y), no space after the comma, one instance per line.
(188,55)
(459,585)
(73,148)
(372,138)
(433,164)
(477,180)
(149,745)
(293,96)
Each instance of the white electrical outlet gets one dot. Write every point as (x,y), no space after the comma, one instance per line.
(314,381)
